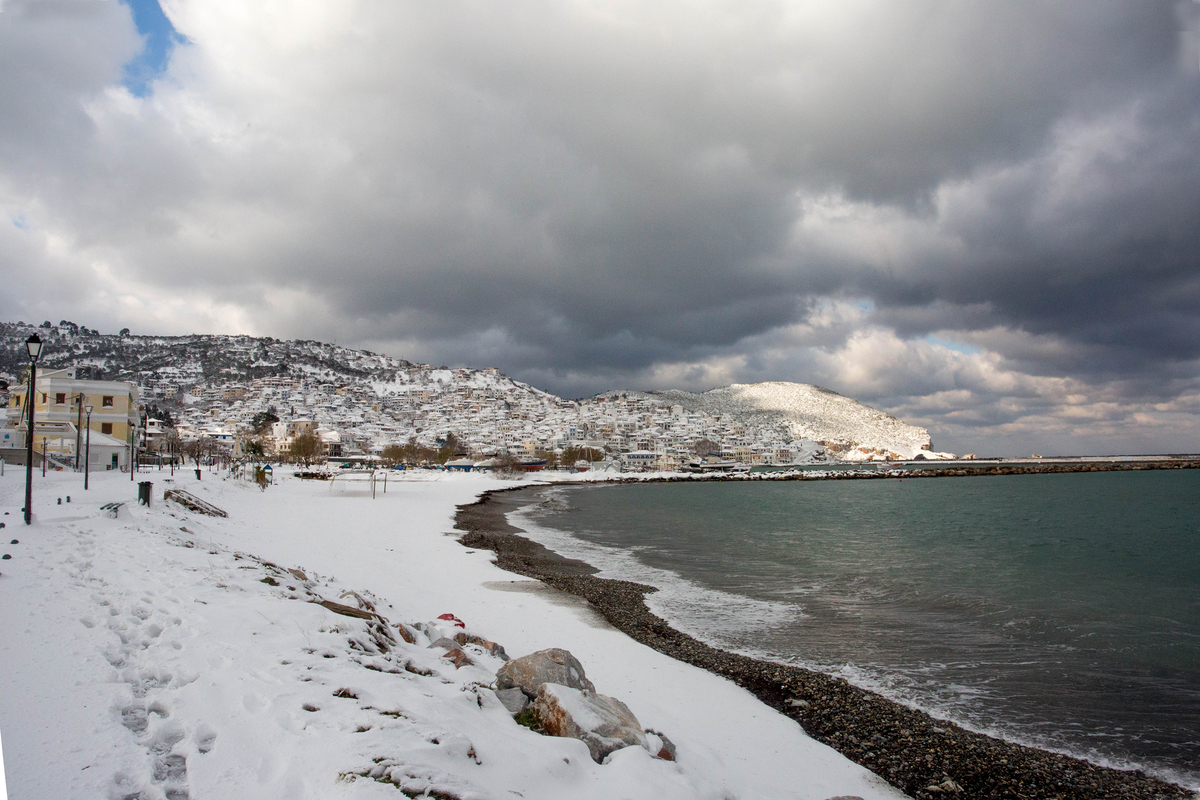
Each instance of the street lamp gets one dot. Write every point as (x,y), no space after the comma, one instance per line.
(43,456)
(34,345)
(78,425)
(87,456)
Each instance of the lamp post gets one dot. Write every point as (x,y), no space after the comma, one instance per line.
(78,425)
(34,345)
(43,456)
(87,456)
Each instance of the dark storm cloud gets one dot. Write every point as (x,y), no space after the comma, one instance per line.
(591,195)
(635,233)
(1112,264)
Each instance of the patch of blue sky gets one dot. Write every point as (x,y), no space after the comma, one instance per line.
(865,305)
(20,221)
(956,346)
(159,37)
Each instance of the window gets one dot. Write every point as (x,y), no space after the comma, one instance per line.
(107,401)
(106,427)
(60,399)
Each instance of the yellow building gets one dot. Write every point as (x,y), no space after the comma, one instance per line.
(60,401)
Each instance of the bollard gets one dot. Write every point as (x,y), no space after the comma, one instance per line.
(68,498)
(60,501)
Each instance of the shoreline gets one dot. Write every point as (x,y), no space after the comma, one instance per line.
(915,752)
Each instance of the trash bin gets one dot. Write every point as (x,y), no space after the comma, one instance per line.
(197,473)
(144,488)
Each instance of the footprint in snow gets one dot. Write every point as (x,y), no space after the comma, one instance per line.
(205,736)
(135,719)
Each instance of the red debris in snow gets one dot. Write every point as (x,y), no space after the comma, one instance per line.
(453,619)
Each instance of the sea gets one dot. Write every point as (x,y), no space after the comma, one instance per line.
(1056,610)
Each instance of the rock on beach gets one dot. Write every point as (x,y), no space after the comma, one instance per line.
(555,665)
(603,723)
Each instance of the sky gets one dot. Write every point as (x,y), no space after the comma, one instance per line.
(981,217)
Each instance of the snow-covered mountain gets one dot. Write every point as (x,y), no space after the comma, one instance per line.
(219,382)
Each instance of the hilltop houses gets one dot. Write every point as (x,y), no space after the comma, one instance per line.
(488,415)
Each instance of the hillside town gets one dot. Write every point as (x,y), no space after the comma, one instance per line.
(247,397)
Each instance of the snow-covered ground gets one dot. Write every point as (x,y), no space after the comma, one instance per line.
(164,654)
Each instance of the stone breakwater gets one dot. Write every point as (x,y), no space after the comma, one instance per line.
(853,473)
(925,757)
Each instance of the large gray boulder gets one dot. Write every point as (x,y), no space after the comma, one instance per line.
(529,673)
(603,723)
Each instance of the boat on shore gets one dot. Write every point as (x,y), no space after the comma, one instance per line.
(714,464)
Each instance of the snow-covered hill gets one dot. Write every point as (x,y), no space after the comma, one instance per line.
(218,383)
(840,423)
(191,359)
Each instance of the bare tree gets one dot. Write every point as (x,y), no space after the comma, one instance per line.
(572,454)
(261,478)
(507,466)
(198,450)
(305,447)
(448,449)
(393,454)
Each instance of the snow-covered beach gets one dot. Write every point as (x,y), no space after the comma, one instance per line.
(168,654)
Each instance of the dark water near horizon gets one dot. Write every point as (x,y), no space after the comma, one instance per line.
(1058,610)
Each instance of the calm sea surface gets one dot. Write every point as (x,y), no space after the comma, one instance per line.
(1057,610)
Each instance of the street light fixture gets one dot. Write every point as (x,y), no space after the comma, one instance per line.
(34,346)
(87,456)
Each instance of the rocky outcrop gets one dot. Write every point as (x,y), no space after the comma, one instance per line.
(565,703)
(529,673)
(603,723)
